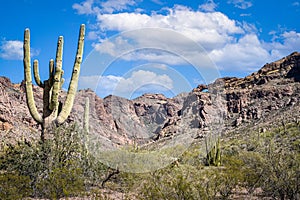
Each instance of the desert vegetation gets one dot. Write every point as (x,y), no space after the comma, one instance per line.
(258,166)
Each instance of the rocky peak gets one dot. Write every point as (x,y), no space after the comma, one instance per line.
(273,88)
(285,68)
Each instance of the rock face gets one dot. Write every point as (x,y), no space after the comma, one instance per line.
(262,98)
(273,89)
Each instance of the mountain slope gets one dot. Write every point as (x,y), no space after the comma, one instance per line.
(260,100)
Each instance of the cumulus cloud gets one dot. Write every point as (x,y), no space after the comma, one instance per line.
(140,81)
(107,83)
(233,45)
(211,30)
(180,18)
(143,81)
(121,48)
(13,50)
(226,57)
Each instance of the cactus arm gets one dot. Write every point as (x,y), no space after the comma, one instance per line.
(36,74)
(28,81)
(67,107)
(57,75)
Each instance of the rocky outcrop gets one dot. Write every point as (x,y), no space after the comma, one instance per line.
(274,87)
(265,96)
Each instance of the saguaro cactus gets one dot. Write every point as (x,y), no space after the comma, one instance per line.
(86,115)
(213,155)
(86,129)
(53,111)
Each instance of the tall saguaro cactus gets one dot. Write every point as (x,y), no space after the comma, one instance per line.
(86,115)
(53,111)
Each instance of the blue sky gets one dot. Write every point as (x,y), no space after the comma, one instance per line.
(159,46)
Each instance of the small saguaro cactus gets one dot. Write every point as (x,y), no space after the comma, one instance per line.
(86,131)
(213,155)
(86,115)
(54,113)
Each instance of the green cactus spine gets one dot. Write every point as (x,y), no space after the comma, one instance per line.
(53,113)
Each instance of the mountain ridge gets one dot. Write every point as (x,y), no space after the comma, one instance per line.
(260,100)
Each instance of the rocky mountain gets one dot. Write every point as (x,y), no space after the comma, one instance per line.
(261,99)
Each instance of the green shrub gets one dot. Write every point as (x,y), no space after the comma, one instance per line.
(281,178)
(14,186)
(56,168)
(61,182)
(169,183)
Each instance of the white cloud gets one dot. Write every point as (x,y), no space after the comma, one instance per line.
(84,7)
(243,55)
(179,18)
(121,48)
(111,6)
(209,29)
(242,4)
(144,81)
(92,35)
(283,44)
(141,81)
(13,50)
(209,6)
(108,83)
(154,56)
(233,45)
(160,66)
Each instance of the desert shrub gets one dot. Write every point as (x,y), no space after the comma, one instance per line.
(14,186)
(56,168)
(273,166)
(61,182)
(169,183)
(252,169)
(276,173)
(187,182)
(281,178)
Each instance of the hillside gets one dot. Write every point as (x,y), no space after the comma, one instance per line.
(260,100)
